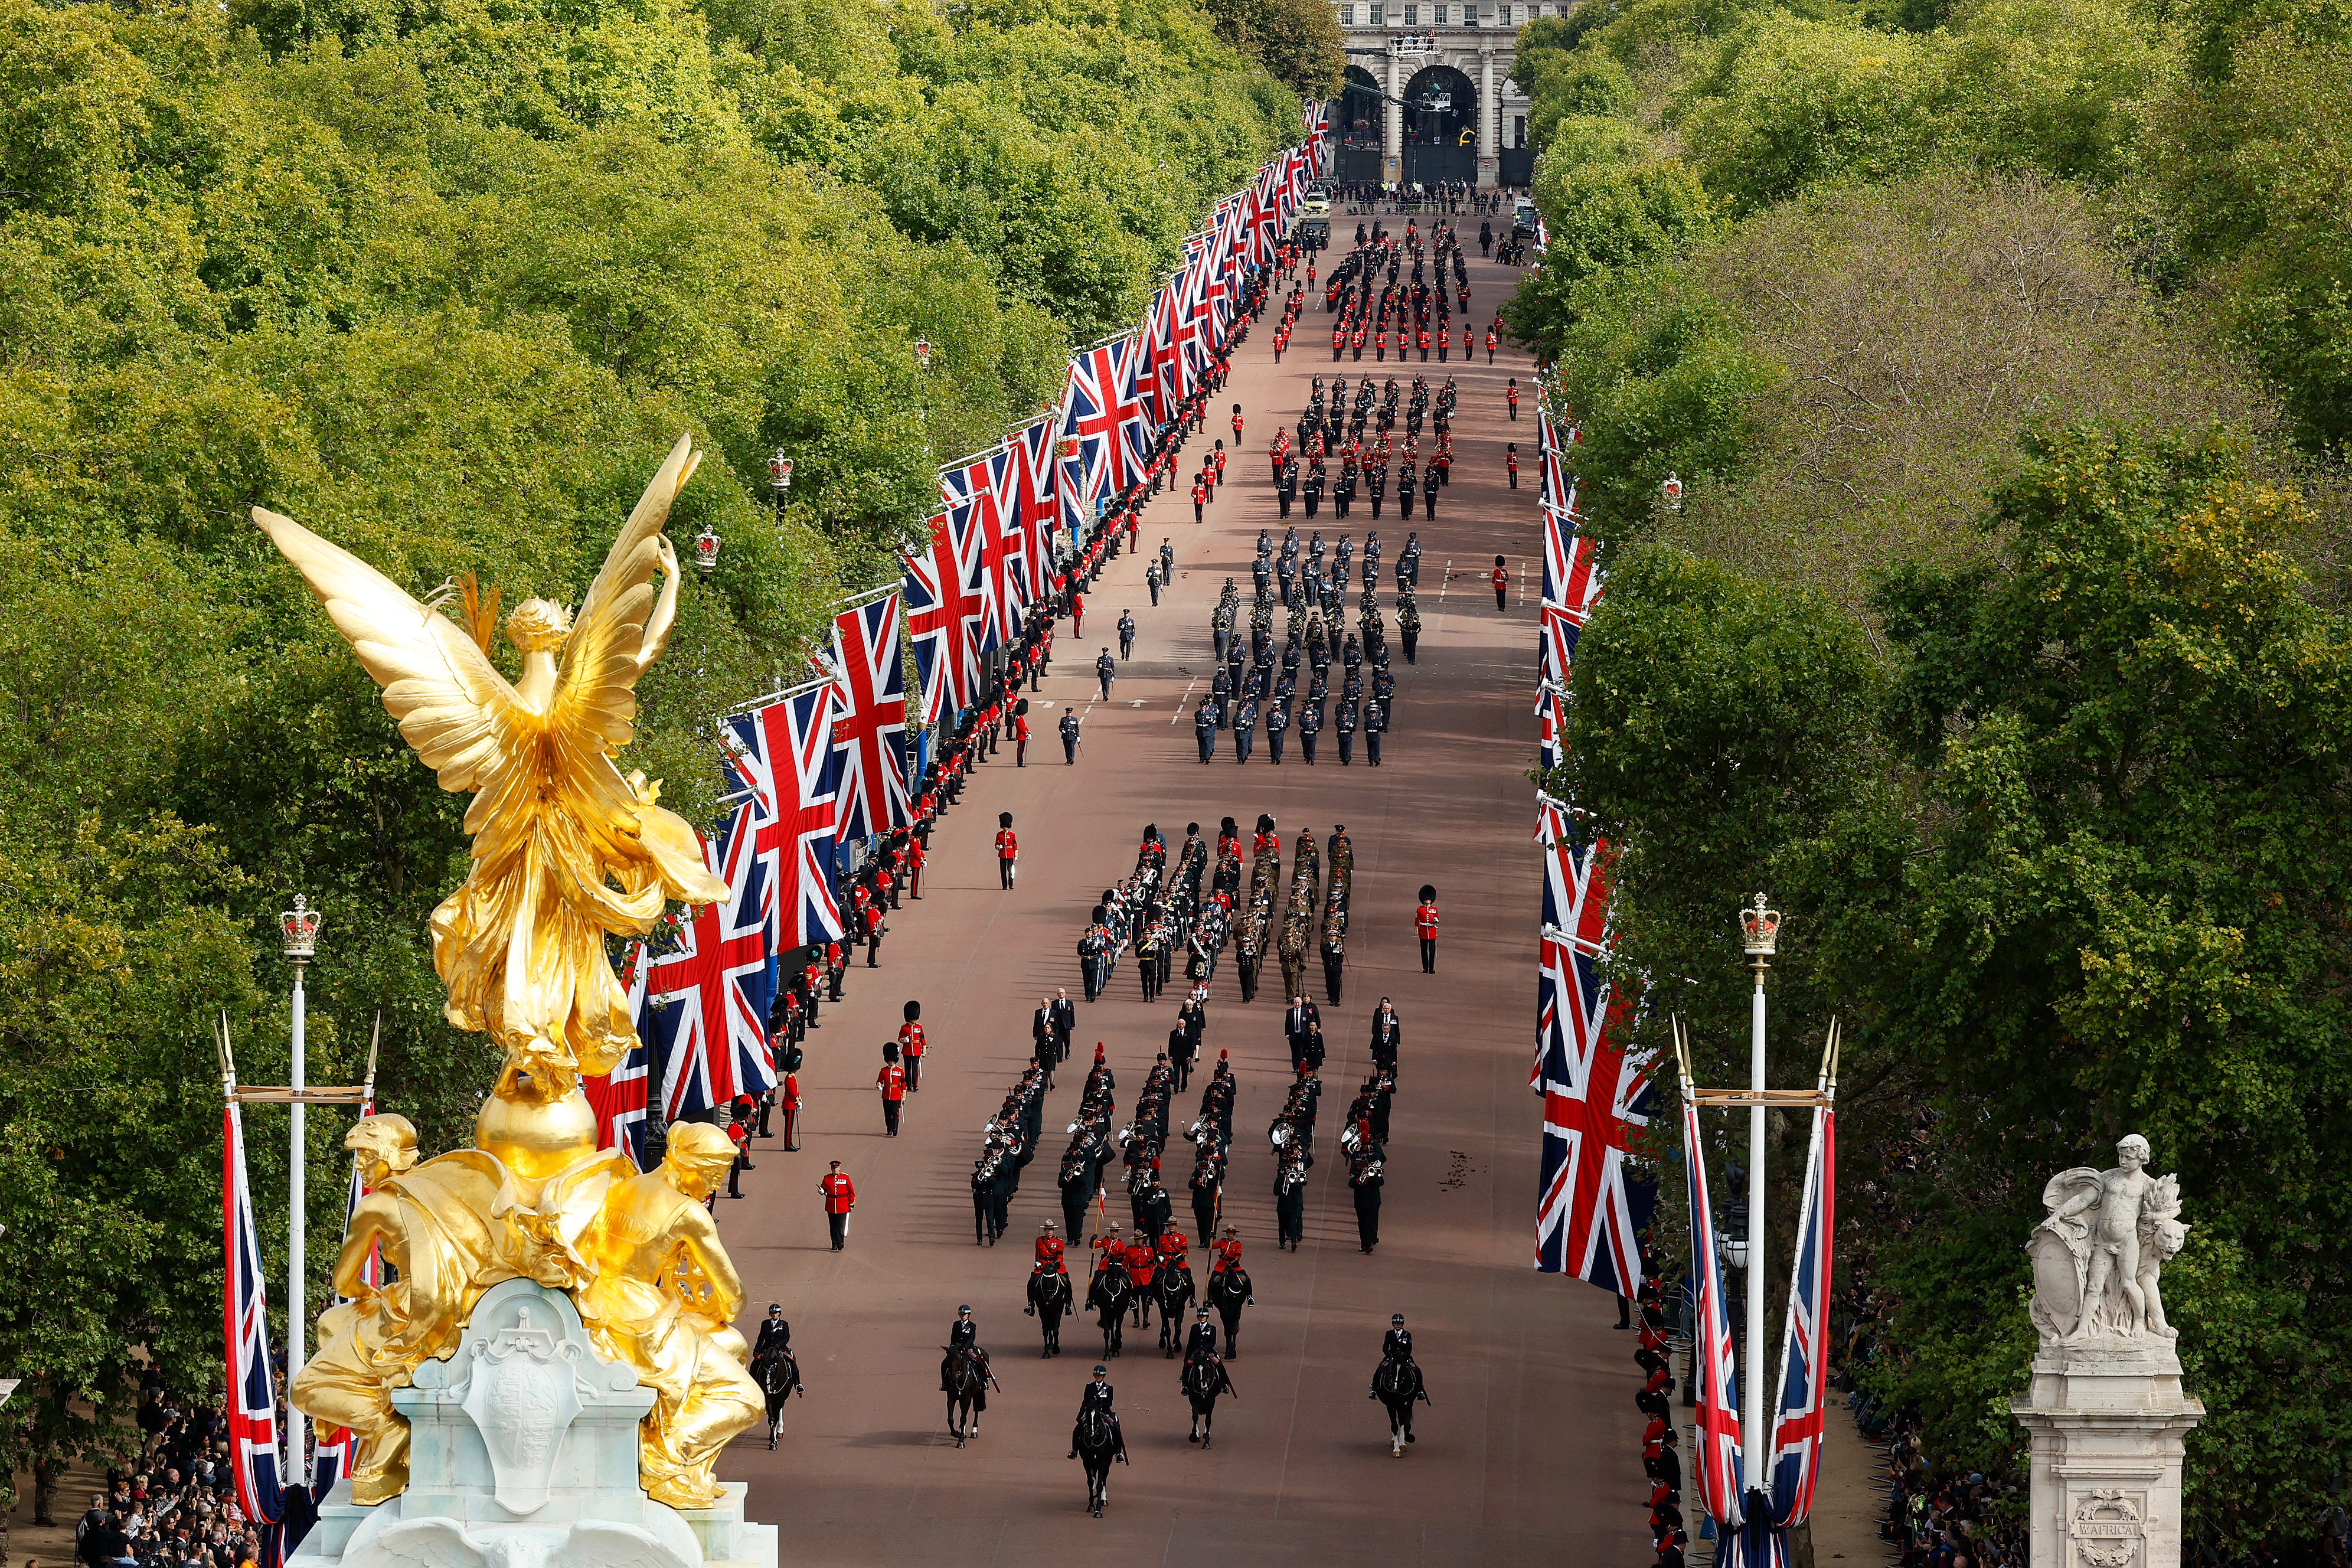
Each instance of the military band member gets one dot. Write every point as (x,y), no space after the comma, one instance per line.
(1376,723)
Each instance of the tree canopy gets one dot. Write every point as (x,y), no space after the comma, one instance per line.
(444,281)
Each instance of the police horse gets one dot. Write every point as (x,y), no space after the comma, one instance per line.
(1049,1297)
(1172,1292)
(1229,1292)
(1098,1442)
(967,1382)
(1397,1385)
(1107,1295)
(778,1374)
(1204,1378)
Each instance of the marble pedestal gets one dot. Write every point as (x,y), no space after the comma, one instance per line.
(523,1451)
(2106,1422)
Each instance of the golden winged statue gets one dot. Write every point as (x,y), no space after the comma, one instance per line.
(565,848)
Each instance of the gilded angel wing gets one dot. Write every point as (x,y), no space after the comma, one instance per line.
(451,704)
(610,645)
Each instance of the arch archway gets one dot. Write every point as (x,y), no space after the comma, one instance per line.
(1441,108)
(1359,109)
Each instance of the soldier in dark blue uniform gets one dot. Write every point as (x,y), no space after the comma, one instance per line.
(1277,725)
(1204,728)
(1310,724)
(1245,729)
(1344,721)
(1376,722)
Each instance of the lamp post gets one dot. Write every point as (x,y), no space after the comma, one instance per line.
(299,926)
(1759,929)
(706,550)
(780,479)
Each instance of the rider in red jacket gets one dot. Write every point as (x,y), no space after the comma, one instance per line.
(1049,1252)
(1142,1262)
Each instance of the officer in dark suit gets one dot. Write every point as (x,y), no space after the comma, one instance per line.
(1387,1033)
(1376,723)
(1299,1021)
(1126,635)
(1398,1343)
(1105,667)
(1069,729)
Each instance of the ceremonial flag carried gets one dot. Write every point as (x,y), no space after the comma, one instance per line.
(712,996)
(254,1459)
(869,721)
(1716,1462)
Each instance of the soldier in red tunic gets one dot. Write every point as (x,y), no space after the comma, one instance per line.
(1008,850)
(912,1044)
(1049,1252)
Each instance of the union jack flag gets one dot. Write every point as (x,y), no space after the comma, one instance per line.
(1571,588)
(1032,513)
(619,1098)
(1195,312)
(974,493)
(1592,1208)
(1131,452)
(782,756)
(1717,1462)
(869,721)
(709,997)
(1805,1351)
(1557,494)
(940,620)
(1166,361)
(1551,716)
(252,1388)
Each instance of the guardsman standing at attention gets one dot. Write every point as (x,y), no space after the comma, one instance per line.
(1200,494)
(1511,462)
(1126,636)
(1008,850)
(840,1197)
(1424,926)
(1069,729)
(788,1100)
(1204,728)
(912,1046)
(1502,579)
(892,1083)
(1512,392)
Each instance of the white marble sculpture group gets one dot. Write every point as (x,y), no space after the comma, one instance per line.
(2098,1260)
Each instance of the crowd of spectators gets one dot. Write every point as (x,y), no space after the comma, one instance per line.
(174,1507)
(1937,1515)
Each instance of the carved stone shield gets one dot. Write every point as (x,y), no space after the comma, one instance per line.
(520,1394)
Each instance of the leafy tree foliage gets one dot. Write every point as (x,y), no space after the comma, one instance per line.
(443,280)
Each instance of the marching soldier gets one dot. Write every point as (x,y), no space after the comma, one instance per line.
(840,1197)
(1277,725)
(912,1046)
(1204,728)
(1105,667)
(1511,462)
(1344,722)
(1310,724)
(1069,724)
(1502,581)
(1126,639)
(1511,392)
(892,1083)
(1008,850)
(1376,723)
(1424,925)
(1364,1183)
(1153,581)
(1245,730)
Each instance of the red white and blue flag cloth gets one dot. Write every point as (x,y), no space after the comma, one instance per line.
(1805,1349)
(1717,1462)
(1571,588)
(1032,511)
(1085,456)
(254,1457)
(1592,1206)
(619,1098)
(1164,360)
(942,622)
(1559,495)
(709,996)
(980,494)
(869,721)
(780,760)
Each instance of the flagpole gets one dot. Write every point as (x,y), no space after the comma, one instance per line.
(300,929)
(1760,927)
